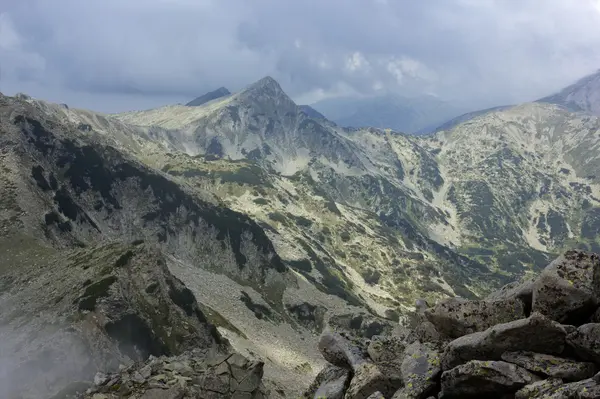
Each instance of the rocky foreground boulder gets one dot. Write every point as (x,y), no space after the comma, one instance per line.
(535,338)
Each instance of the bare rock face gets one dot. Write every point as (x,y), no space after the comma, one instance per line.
(551,366)
(456,317)
(386,349)
(190,375)
(539,389)
(368,379)
(331,382)
(586,341)
(420,370)
(536,333)
(340,351)
(568,289)
(94,309)
(521,290)
(480,378)
(555,389)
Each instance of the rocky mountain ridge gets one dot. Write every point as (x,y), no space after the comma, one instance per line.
(281,224)
(583,95)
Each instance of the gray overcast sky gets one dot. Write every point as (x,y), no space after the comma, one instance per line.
(115,55)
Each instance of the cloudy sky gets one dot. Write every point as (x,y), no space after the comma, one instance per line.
(115,55)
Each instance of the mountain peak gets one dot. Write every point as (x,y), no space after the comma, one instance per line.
(266,85)
(583,95)
(212,95)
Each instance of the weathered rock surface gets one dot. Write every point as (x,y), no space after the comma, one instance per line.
(539,389)
(522,290)
(339,351)
(536,333)
(568,289)
(480,378)
(190,375)
(331,382)
(386,349)
(554,389)
(551,366)
(456,317)
(420,370)
(368,379)
(586,341)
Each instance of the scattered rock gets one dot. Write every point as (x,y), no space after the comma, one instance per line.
(426,332)
(480,378)
(330,383)
(551,366)
(456,317)
(420,370)
(535,333)
(586,341)
(567,290)
(539,389)
(188,375)
(340,351)
(369,379)
(386,349)
(501,349)
(521,290)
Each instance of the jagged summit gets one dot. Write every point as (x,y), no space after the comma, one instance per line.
(212,95)
(266,87)
(583,95)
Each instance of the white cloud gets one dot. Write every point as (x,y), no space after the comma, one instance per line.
(486,51)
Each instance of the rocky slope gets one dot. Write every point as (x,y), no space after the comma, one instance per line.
(583,95)
(66,188)
(281,224)
(512,181)
(532,339)
(212,95)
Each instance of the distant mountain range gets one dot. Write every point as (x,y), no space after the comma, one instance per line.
(281,222)
(402,114)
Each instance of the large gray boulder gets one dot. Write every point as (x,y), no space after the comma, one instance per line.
(535,333)
(586,341)
(340,351)
(478,379)
(368,379)
(387,348)
(554,389)
(456,317)
(568,289)
(539,389)
(521,290)
(330,383)
(420,370)
(551,366)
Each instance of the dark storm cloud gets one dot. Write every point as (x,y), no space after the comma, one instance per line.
(479,50)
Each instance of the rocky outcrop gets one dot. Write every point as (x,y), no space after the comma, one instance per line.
(551,366)
(484,378)
(535,333)
(456,317)
(95,309)
(499,349)
(190,375)
(568,289)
